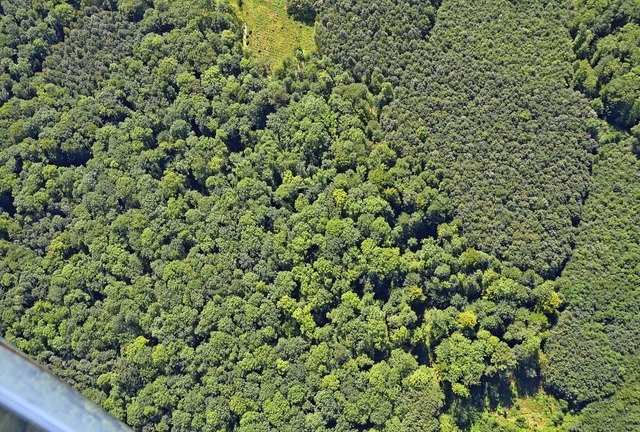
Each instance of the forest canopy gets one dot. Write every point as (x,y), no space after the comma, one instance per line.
(414,228)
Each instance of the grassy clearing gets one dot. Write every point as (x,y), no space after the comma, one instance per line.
(273,35)
(540,412)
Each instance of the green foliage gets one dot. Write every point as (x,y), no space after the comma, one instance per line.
(601,321)
(376,39)
(607,43)
(276,29)
(302,10)
(593,375)
(540,412)
(493,110)
(618,413)
(356,240)
(196,245)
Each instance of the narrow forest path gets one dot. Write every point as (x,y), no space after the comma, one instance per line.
(244,35)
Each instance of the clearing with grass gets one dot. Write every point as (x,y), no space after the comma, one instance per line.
(272,34)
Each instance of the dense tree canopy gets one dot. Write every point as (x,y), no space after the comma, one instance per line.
(486,95)
(599,285)
(606,41)
(372,237)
